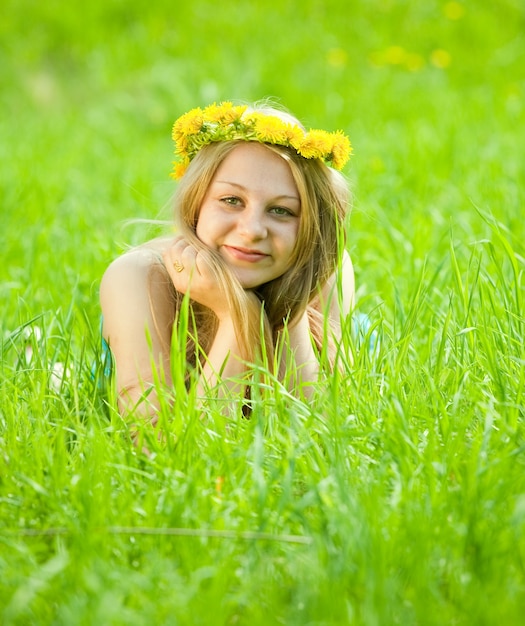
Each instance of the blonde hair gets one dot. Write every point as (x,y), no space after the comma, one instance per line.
(324,197)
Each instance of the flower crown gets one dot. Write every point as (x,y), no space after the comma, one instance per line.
(226,122)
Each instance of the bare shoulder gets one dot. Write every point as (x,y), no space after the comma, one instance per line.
(137,303)
(135,280)
(136,266)
(135,292)
(128,272)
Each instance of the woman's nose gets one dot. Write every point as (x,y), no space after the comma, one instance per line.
(251,225)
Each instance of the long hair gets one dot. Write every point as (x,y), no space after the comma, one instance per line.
(324,200)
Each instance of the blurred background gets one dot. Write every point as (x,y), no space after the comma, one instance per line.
(431,94)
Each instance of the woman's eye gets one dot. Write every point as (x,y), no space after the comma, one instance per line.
(231,200)
(281,210)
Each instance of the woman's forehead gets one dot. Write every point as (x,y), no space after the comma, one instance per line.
(256,167)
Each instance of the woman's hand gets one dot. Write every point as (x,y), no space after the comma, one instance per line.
(191,272)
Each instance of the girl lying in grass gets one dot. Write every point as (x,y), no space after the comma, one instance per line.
(259,218)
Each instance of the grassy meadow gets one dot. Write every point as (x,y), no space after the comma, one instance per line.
(397,496)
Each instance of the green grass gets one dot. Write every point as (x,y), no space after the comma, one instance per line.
(398,495)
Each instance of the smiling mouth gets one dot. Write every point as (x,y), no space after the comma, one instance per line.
(245,254)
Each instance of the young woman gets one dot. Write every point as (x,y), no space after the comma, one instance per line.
(258,254)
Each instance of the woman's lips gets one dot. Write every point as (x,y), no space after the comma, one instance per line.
(245,254)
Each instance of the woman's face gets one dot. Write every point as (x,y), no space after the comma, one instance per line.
(250,214)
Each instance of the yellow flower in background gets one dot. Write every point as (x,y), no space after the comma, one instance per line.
(440,58)
(337,57)
(454,10)
(399,57)
(395,55)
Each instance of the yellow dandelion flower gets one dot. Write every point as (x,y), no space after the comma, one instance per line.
(239,110)
(175,131)
(212,113)
(317,144)
(181,145)
(179,169)
(341,150)
(252,117)
(226,122)
(188,124)
(294,135)
(271,129)
(226,113)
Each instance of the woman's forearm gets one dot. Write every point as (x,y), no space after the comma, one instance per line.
(301,365)
(223,362)
(227,359)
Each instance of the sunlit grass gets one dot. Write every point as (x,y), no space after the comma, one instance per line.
(397,494)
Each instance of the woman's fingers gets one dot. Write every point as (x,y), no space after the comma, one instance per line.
(179,255)
(183,256)
(179,260)
(190,271)
(185,264)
